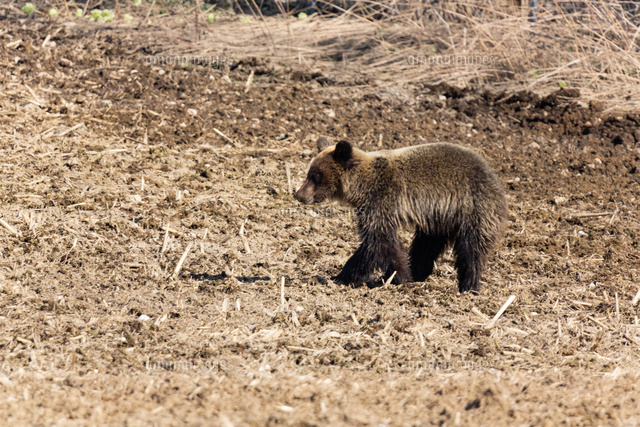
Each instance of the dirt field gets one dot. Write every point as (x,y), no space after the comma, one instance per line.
(112,168)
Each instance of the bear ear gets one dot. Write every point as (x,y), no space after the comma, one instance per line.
(343,153)
(323,143)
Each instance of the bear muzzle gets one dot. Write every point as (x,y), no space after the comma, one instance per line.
(305,193)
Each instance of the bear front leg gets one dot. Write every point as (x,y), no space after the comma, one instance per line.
(355,271)
(400,266)
(377,250)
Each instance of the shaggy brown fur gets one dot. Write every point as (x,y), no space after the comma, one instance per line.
(448,192)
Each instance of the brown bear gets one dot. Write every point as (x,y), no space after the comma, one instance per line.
(446,191)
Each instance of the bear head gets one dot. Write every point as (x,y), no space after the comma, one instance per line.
(324,179)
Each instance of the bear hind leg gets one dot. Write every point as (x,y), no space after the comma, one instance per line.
(425,249)
(470,257)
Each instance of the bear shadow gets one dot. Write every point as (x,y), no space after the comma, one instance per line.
(207,277)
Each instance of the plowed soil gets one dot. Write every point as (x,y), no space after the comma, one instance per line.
(113,169)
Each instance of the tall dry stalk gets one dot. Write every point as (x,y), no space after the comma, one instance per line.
(590,45)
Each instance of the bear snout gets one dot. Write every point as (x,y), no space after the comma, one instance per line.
(305,193)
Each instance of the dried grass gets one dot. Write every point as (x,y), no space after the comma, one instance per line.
(591,46)
(466,44)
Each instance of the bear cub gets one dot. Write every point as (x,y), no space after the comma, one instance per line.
(446,191)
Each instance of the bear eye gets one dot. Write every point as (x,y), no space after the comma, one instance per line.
(316,178)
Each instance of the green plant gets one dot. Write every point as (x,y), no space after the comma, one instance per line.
(29,8)
(107,16)
(98,15)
